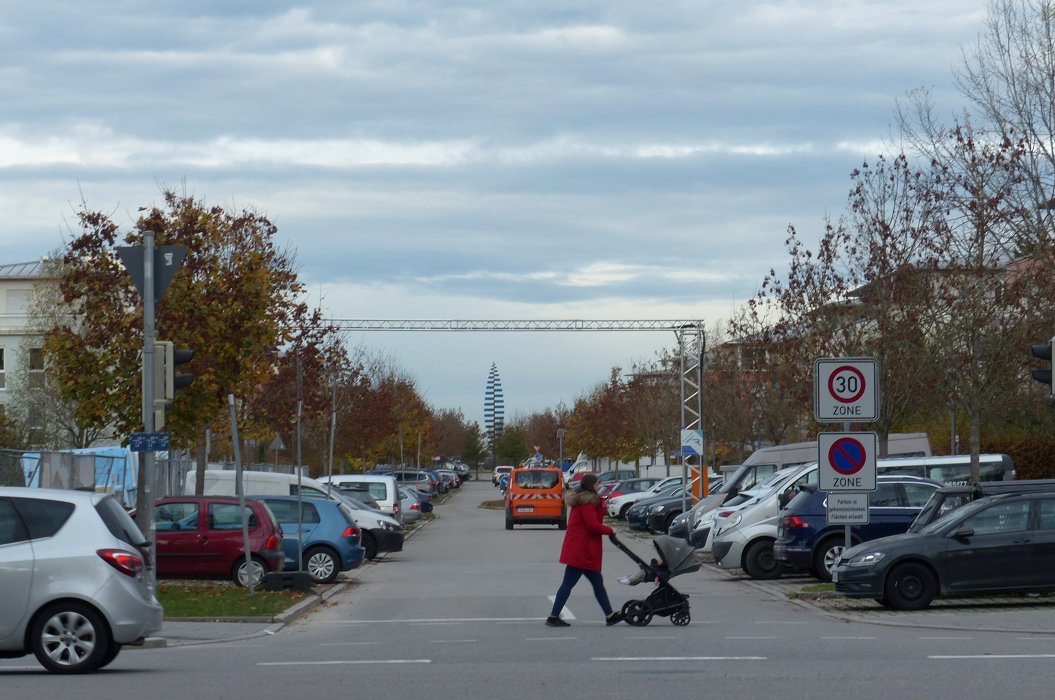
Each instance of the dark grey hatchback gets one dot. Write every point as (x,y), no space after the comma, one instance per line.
(998,544)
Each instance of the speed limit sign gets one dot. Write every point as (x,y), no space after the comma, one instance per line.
(845,389)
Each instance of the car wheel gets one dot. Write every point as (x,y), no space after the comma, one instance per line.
(670,521)
(321,564)
(509,518)
(910,586)
(825,555)
(240,573)
(759,562)
(70,638)
(623,510)
(562,524)
(369,543)
(111,654)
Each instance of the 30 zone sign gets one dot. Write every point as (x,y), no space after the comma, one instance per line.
(845,390)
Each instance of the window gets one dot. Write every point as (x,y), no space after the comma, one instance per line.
(11,529)
(286,512)
(3,374)
(532,479)
(225,516)
(176,516)
(1002,517)
(1046,516)
(43,518)
(885,496)
(35,380)
(917,494)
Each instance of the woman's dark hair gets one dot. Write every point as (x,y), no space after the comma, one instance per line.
(587,482)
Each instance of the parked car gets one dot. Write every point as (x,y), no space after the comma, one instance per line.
(201,537)
(949,498)
(637,515)
(616,475)
(328,536)
(72,571)
(619,507)
(380,531)
(420,480)
(498,472)
(997,544)
(746,539)
(615,489)
(682,523)
(382,488)
(662,513)
(805,540)
(410,505)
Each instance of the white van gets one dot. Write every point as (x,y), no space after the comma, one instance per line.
(381,487)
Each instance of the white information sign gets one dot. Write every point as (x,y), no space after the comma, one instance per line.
(845,390)
(847,508)
(846,461)
(692,443)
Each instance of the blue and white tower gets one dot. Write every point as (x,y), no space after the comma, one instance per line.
(494,407)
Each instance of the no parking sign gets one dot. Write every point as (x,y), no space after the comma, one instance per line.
(847,461)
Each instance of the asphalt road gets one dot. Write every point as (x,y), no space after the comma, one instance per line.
(460,614)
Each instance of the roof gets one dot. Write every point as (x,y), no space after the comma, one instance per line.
(25,269)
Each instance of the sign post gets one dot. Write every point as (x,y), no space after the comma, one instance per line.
(846,390)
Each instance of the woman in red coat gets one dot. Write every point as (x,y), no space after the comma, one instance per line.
(581,552)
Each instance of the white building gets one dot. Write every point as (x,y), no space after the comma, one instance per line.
(19,349)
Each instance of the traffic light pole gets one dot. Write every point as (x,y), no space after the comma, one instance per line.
(146,485)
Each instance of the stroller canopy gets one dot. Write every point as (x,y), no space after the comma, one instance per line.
(679,555)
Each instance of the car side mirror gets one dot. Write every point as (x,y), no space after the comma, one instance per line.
(783,499)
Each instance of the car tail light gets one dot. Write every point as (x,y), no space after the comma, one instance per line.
(350,532)
(794,521)
(415,506)
(274,542)
(126,562)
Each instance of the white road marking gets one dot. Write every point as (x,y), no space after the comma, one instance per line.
(993,656)
(341,663)
(551,639)
(347,644)
(679,658)
(565,613)
(947,639)
(847,638)
(451,641)
(750,638)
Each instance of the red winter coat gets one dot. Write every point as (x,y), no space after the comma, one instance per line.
(582,541)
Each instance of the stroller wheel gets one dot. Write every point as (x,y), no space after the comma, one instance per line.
(637,613)
(680,617)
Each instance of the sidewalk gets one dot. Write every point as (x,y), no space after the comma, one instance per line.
(1022,614)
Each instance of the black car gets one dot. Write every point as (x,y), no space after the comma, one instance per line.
(805,540)
(951,497)
(637,516)
(997,544)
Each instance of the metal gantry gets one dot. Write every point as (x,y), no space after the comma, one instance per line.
(371,324)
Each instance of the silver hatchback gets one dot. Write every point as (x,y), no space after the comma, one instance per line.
(72,578)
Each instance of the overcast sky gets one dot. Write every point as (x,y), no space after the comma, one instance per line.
(453,159)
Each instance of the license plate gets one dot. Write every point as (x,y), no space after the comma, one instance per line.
(525,509)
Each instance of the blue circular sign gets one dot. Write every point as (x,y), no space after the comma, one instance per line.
(847,456)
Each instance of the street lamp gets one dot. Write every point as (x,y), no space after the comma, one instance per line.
(560,443)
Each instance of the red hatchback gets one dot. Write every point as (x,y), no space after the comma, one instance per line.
(201,537)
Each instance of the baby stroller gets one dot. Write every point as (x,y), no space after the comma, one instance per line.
(676,557)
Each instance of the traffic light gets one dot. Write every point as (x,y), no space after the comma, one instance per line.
(167,357)
(1043,352)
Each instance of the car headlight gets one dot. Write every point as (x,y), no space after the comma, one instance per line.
(657,509)
(733,521)
(866,559)
(385,525)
